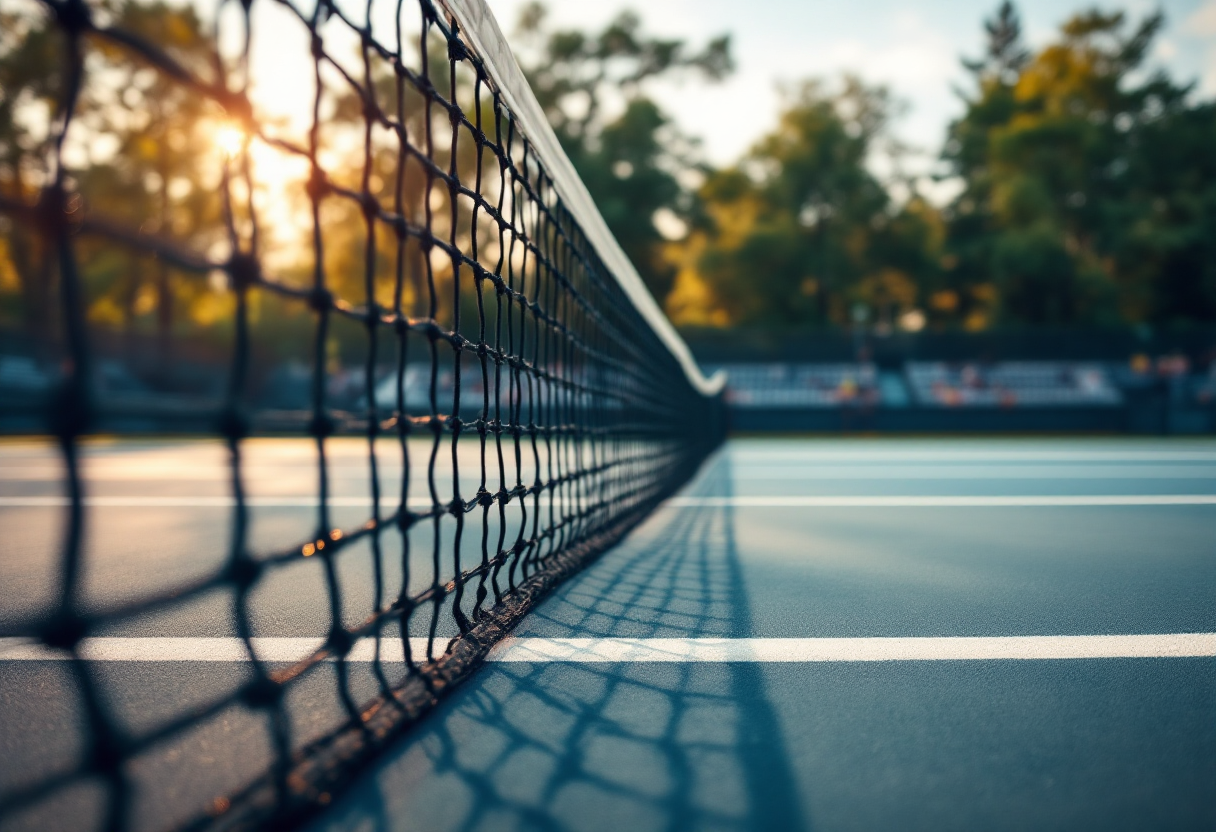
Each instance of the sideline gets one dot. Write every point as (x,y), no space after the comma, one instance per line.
(738,501)
(648,650)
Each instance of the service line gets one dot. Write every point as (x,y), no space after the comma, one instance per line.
(691,501)
(942,501)
(648,650)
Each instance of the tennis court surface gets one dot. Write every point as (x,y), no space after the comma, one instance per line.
(813,634)
(435,525)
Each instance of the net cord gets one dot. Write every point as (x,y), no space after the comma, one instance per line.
(605,468)
(478,26)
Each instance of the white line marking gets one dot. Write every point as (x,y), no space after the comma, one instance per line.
(798,456)
(120,470)
(220,649)
(971,472)
(960,501)
(739,501)
(286,501)
(852,649)
(637,650)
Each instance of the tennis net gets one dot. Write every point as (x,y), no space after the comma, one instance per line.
(535,402)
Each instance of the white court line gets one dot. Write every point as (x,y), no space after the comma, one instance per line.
(947,501)
(799,456)
(831,470)
(682,650)
(972,472)
(287,501)
(119,470)
(219,649)
(852,649)
(739,501)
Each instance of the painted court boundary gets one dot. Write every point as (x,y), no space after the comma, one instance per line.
(651,650)
(947,501)
(740,501)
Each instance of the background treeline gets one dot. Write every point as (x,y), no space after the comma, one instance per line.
(148,154)
(1087,187)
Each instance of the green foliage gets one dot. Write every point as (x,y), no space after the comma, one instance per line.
(801,230)
(633,161)
(1087,185)
(624,170)
(132,155)
(29,81)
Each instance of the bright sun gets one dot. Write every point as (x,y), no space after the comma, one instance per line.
(230,140)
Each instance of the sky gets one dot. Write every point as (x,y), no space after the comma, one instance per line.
(912,47)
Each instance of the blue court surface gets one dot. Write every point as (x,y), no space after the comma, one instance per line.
(931,742)
(815,634)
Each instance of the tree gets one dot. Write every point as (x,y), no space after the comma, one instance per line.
(157,179)
(1070,213)
(801,229)
(132,155)
(1167,255)
(967,151)
(633,160)
(30,81)
(1005,56)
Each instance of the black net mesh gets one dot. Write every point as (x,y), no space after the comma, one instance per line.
(531,413)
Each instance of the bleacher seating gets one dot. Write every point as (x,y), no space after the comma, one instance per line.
(1012,384)
(800,385)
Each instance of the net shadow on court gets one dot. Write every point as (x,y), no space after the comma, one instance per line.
(590,746)
(492,310)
